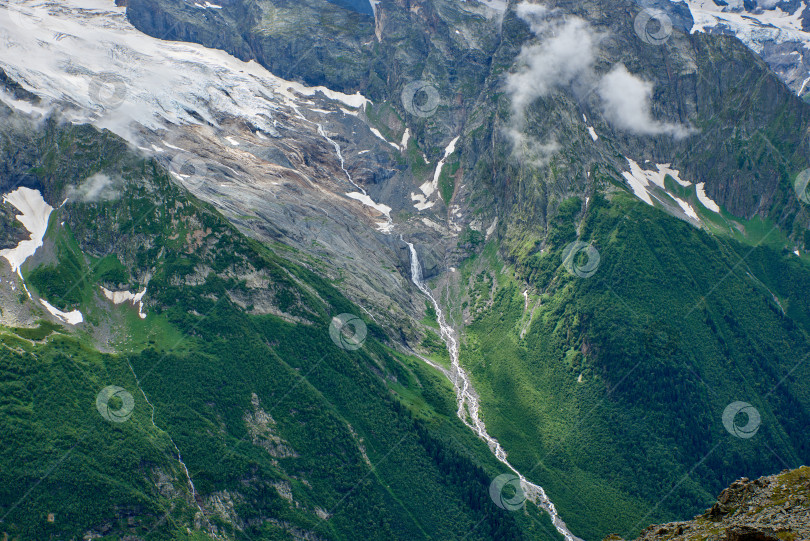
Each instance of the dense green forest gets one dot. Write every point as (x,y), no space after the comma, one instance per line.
(609,390)
(282,431)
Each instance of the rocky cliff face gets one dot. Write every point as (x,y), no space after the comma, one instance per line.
(717,107)
(772,508)
(777,31)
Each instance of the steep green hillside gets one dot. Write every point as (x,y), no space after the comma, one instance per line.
(609,390)
(285,426)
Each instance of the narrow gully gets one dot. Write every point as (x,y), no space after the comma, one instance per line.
(468,407)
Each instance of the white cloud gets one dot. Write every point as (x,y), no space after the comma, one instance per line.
(530,149)
(626,101)
(98,187)
(534,14)
(565,58)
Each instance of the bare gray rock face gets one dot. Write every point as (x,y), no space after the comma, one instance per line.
(464,50)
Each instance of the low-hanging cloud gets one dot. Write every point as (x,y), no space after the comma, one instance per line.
(626,103)
(529,149)
(565,58)
(98,187)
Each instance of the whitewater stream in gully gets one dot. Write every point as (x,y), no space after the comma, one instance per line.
(177,450)
(168,80)
(468,408)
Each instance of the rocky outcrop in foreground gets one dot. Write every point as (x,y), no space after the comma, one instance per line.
(772,508)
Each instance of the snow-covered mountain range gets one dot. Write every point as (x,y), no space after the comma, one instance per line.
(777,30)
(268,152)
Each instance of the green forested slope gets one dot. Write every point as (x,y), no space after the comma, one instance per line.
(613,398)
(283,432)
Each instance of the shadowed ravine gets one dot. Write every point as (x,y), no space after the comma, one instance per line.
(468,403)
(466,398)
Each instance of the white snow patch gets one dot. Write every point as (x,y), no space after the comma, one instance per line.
(167,145)
(427,188)
(376,132)
(405,137)
(71,318)
(638,180)
(593,133)
(704,199)
(356,100)
(385,210)
(804,85)
(385,227)
(664,169)
(491,228)
(118,297)
(687,208)
(421,200)
(437,173)
(433,225)
(35,213)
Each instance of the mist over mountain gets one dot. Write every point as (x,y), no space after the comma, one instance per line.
(404,269)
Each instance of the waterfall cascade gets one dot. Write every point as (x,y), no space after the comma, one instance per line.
(468,408)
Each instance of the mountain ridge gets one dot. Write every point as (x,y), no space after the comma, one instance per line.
(223,436)
(570,285)
(769,508)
